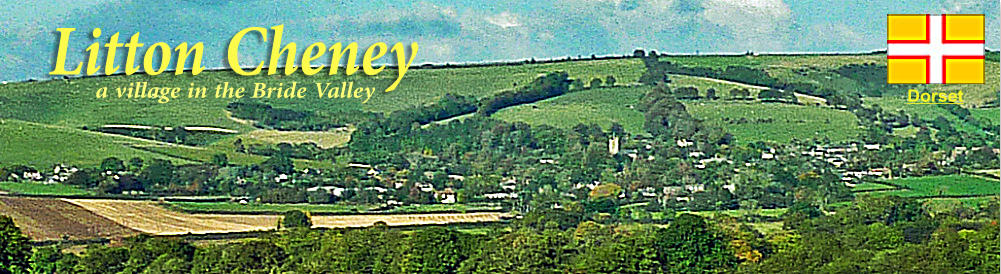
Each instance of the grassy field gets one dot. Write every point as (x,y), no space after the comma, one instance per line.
(973,95)
(602,106)
(775,61)
(907,132)
(816,69)
(323,139)
(40,121)
(204,154)
(948,185)
(607,105)
(787,121)
(43,146)
(722,87)
(72,102)
(55,110)
(930,112)
(993,115)
(871,187)
(42,189)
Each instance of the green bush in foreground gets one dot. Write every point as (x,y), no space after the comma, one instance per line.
(14,248)
(296,218)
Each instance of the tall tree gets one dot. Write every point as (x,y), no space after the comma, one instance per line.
(112,164)
(15,252)
(296,218)
(441,250)
(688,245)
(279,164)
(158,172)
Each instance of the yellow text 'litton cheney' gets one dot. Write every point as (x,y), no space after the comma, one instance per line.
(153,66)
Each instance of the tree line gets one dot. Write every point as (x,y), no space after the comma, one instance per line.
(886,234)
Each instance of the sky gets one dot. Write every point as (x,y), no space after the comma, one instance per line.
(467,30)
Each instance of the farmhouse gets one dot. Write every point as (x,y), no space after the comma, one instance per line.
(336,191)
(446,196)
(500,196)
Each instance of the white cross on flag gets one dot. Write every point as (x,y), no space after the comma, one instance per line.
(935,49)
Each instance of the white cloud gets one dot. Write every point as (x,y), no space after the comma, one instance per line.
(504,20)
(757,24)
(958,6)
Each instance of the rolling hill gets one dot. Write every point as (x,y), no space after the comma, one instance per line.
(816,69)
(42,120)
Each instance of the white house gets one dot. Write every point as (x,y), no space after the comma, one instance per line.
(684,143)
(767,156)
(500,196)
(360,165)
(281,178)
(446,196)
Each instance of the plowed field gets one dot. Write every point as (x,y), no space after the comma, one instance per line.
(55,219)
(149,217)
(51,219)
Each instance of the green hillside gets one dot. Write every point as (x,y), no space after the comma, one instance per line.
(58,109)
(816,69)
(929,186)
(42,146)
(765,121)
(71,102)
(931,112)
(776,122)
(602,106)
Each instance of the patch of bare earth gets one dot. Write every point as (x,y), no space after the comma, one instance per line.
(149,217)
(53,219)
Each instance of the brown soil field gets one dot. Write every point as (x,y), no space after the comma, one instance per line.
(51,219)
(149,217)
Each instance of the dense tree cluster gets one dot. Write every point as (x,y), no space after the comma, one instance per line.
(308,150)
(890,234)
(266,116)
(775,95)
(687,244)
(590,199)
(868,235)
(658,71)
(447,106)
(550,85)
(871,76)
(177,134)
(14,249)
(666,116)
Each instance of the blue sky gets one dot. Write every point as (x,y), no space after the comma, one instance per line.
(469,30)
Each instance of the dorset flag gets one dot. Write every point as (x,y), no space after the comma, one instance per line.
(935,49)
